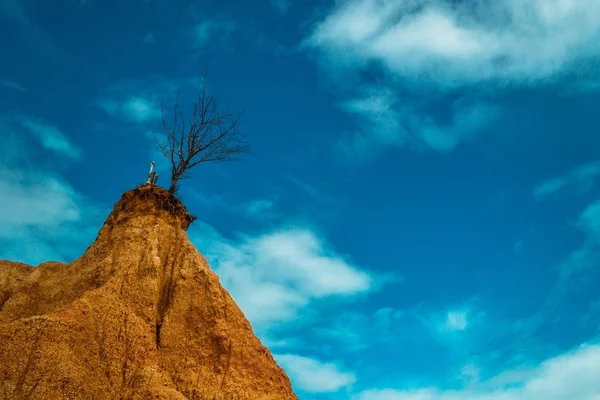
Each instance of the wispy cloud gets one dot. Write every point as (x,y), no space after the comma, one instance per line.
(139,100)
(577,274)
(459,327)
(259,208)
(314,192)
(589,221)
(43,216)
(456,321)
(134,108)
(380,116)
(12,85)
(387,121)
(458,42)
(584,259)
(282,6)
(32,199)
(50,136)
(140,109)
(33,37)
(578,271)
(572,375)
(16,129)
(274,275)
(314,376)
(581,178)
(212,30)
(354,331)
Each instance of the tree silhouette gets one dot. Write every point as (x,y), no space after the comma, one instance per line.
(208,135)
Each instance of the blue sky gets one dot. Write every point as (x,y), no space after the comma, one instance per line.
(420,218)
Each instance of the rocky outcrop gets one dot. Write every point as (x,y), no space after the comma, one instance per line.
(139,316)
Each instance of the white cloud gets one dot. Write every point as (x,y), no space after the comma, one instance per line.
(43,218)
(303,258)
(49,136)
(456,321)
(459,327)
(33,199)
(443,47)
(313,376)
(570,376)
(378,114)
(140,109)
(581,178)
(460,42)
(259,208)
(134,108)
(589,221)
(274,275)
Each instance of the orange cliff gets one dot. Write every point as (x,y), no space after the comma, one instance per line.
(139,316)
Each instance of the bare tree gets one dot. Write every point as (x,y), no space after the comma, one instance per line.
(208,135)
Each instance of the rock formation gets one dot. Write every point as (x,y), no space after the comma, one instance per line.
(139,316)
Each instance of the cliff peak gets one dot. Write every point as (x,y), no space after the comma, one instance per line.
(150,200)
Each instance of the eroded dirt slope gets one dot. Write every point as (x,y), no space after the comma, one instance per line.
(139,316)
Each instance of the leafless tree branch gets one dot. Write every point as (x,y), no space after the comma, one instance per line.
(209,135)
